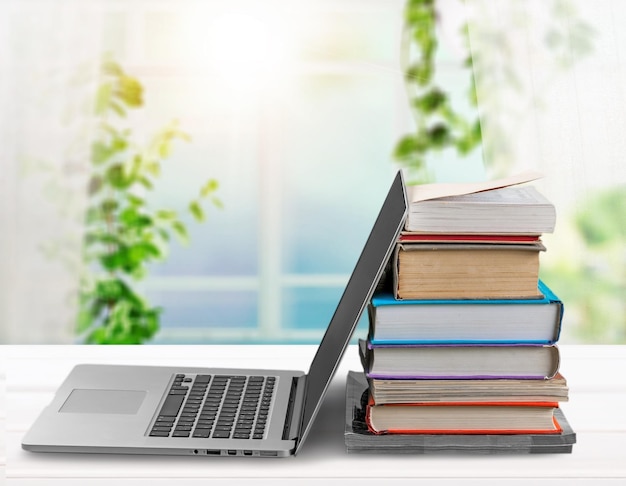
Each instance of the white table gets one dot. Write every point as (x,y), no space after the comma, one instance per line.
(30,375)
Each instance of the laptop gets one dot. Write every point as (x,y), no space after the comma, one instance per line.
(213,411)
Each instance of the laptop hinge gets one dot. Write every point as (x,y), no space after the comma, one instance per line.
(293,418)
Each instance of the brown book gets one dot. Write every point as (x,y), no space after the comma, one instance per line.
(387,391)
(466,271)
(463,418)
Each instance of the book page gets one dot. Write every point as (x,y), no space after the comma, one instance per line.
(503,195)
(424,192)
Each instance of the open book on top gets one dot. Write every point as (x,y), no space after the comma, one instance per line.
(500,207)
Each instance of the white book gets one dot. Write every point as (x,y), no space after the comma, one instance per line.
(494,207)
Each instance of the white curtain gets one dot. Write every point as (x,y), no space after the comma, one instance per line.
(550,78)
(551,87)
(49,52)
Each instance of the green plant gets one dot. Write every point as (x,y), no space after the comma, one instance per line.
(438,124)
(443,124)
(123,233)
(592,279)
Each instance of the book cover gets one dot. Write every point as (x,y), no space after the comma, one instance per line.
(466,321)
(359,440)
(423,192)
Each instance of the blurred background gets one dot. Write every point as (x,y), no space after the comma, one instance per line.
(240,151)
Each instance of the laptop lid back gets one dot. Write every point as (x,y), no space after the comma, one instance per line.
(358,291)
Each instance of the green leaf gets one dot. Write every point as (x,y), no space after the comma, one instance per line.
(163,234)
(217,202)
(103,98)
(117,177)
(211,186)
(146,250)
(93,215)
(119,144)
(118,109)
(115,260)
(111,68)
(154,168)
(135,200)
(144,181)
(100,152)
(98,336)
(183,136)
(166,214)
(118,327)
(109,289)
(132,218)
(164,149)
(196,211)
(130,91)
(95,184)
(109,206)
(477,130)
(405,147)
(180,230)
(439,135)
(101,237)
(151,324)
(430,101)
(84,321)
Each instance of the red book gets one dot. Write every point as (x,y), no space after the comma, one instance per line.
(454,238)
(463,418)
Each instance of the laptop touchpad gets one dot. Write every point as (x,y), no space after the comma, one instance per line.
(103,401)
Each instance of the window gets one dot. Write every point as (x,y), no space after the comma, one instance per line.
(295,112)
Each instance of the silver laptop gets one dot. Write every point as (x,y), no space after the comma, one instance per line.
(213,411)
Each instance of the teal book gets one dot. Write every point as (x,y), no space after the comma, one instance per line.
(466,321)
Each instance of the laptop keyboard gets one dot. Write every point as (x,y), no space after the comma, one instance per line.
(220,406)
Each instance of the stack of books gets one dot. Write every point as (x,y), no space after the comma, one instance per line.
(462,340)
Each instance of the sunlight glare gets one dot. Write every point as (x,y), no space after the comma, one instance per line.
(244,50)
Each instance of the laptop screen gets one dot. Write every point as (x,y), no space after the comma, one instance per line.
(358,291)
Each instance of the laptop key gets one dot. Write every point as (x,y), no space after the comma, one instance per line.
(172,405)
(159,433)
(203,434)
(221,434)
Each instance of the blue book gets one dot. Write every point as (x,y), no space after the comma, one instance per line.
(465,321)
